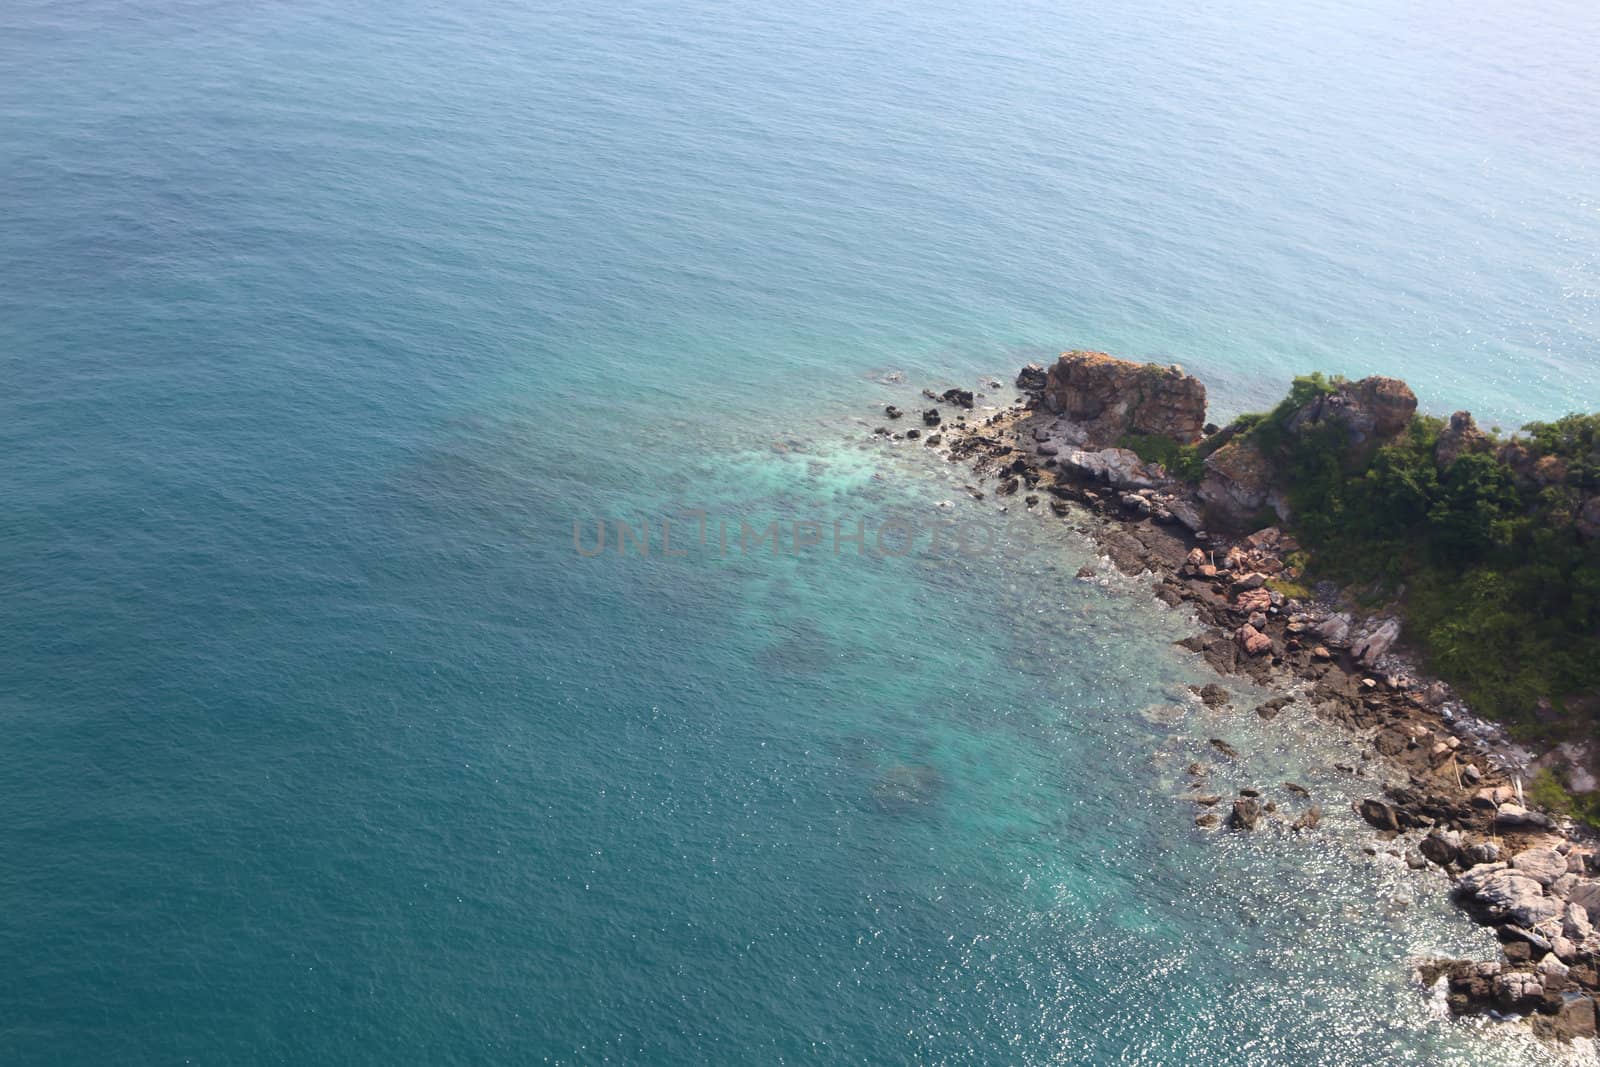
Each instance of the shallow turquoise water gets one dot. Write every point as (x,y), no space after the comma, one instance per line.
(320,328)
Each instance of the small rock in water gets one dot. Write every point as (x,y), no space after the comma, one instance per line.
(1379,813)
(1223,747)
(1246,814)
(1309,820)
(1270,709)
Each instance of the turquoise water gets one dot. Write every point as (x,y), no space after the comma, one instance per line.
(321,326)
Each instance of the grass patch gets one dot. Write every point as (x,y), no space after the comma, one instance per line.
(1548,791)
(1182,461)
(1292,590)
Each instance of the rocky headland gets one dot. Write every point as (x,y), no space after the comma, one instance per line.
(1210,514)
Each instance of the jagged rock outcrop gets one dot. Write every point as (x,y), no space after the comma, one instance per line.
(1031,379)
(1105,398)
(1372,411)
(1543,865)
(1459,438)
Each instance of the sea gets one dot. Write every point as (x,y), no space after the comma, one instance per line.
(454,609)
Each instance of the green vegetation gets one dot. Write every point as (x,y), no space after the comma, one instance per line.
(1181,461)
(1291,589)
(1500,591)
(1548,791)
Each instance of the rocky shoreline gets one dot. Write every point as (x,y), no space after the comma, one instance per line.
(1457,806)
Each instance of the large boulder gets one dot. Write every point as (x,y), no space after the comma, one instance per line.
(1374,645)
(1510,893)
(1543,865)
(1441,846)
(1031,379)
(1515,816)
(1106,398)
(1570,1017)
(1335,629)
(1246,814)
(1119,467)
(1586,895)
(1379,813)
(1238,486)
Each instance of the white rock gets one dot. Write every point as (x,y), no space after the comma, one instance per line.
(1518,896)
(1335,629)
(1378,642)
(1551,967)
(1475,877)
(1543,865)
(1517,815)
(1121,467)
(1586,894)
(1575,922)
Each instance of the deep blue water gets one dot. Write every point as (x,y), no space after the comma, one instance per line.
(322,324)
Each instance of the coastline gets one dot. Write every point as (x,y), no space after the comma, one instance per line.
(1460,810)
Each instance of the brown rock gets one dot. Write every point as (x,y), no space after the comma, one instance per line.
(1459,438)
(1570,1016)
(1253,600)
(1246,814)
(1379,813)
(1108,398)
(1253,641)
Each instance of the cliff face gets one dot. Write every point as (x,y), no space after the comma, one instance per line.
(1107,398)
